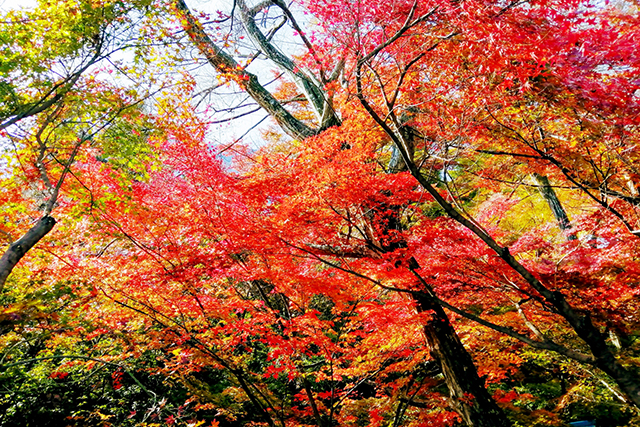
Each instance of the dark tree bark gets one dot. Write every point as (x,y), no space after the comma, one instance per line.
(226,64)
(550,196)
(315,96)
(468,395)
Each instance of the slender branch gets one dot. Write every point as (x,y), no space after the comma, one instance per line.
(506,153)
(403,74)
(602,202)
(56,190)
(282,5)
(405,27)
(228,147)
(55,94)
(569,174)
(536,331)
(238,116)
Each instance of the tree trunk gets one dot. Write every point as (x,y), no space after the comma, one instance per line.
(467,393)
(545,189)
(18,249)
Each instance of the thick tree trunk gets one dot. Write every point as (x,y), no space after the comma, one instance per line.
(18,249)
(467,393)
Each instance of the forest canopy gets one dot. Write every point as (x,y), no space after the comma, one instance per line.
(320,213)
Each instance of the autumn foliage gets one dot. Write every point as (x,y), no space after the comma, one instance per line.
(439,225)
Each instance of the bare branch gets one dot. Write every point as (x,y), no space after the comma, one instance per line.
(225,64)
(281,4)
(405,27)
(311,91)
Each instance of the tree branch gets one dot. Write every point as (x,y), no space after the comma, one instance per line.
(225,64)
(580,322)
(312,92)
(405,27)
(55,94)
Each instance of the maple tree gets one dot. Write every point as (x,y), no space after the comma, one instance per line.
(368,46)
(62,104)
(298,286)
(47,54)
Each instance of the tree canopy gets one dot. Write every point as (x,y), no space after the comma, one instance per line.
(416,213)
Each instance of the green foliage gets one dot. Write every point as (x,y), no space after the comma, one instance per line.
(45,393)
